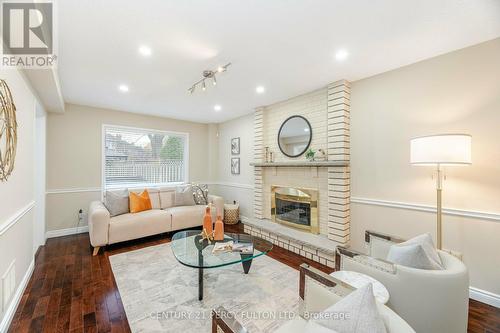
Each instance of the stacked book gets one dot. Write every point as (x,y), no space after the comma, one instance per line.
(231,246)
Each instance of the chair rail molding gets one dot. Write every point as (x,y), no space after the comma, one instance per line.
(16,217)
(427,208)
(228,184)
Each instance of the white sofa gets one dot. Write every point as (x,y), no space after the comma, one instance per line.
(164,217)
(431,301)
(317,292)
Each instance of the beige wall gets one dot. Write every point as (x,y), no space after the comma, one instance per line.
(456,92)
(17,193)
(74,156)
(234,187)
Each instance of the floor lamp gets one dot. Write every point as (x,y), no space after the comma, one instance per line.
(441,150)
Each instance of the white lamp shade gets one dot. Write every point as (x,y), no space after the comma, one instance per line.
(444,149)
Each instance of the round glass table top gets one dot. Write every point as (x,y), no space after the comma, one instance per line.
(191,250)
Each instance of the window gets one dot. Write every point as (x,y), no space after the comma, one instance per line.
(141,157)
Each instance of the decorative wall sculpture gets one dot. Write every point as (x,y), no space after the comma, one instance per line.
(8,131)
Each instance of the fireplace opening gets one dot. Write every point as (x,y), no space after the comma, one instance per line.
(293,212)
(295,207)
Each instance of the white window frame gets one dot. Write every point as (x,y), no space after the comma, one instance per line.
(185,135)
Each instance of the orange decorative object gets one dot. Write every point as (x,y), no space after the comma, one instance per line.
(207,221)
(139,202)
(219,229)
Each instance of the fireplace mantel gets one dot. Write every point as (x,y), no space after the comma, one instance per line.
(300,164)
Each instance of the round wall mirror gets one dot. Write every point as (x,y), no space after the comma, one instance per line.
(294,136)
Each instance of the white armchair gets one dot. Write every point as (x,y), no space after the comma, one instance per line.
(431,301)
(317,292)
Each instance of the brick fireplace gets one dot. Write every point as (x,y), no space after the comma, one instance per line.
(327,110)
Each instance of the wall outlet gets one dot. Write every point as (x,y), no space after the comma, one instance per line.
(8,285)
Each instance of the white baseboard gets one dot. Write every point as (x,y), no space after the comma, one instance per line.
(66,232)
(484,296)
(14,303)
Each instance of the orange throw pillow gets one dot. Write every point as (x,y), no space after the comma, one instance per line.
(139,202)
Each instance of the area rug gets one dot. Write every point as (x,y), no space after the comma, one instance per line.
(161,295)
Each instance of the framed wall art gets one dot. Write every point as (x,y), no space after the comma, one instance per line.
(235,165)
(235,146)
(8,132)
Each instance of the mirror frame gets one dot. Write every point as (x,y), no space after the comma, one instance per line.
(310,136)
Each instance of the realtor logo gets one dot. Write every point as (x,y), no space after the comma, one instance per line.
(28,34)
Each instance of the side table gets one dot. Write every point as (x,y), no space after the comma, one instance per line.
(231,213)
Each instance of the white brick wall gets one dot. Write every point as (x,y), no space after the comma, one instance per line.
(327,110)
(312,106)
(300,249)
(258,157)
(339,181)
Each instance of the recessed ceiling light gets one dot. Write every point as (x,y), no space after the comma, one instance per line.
(217,107)
(145,50)
(260,89)
(123,88)
(341,55)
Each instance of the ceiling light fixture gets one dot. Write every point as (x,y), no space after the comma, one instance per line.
(208,74)
(260,89)
(341,55)
(217,107)
(145,50)
(123,88)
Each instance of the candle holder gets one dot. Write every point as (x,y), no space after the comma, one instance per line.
(205,235)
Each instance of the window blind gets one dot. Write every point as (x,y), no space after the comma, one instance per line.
(136,157)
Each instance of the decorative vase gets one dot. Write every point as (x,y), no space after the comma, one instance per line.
(207,221)
(219,229)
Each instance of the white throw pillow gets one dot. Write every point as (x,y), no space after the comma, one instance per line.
(418,252)
(184,196)
(117,202)
(312,327)
(355,313)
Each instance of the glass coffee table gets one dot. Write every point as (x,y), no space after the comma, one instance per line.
(191,250)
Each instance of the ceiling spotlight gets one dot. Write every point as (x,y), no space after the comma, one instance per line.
(260,89)
(341,55)
(145,50)
(217,107)
(209,74)
(123,88)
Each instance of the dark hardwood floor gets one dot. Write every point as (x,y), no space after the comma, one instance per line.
(71,291)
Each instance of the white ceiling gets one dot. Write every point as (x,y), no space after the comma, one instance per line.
(287,46)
